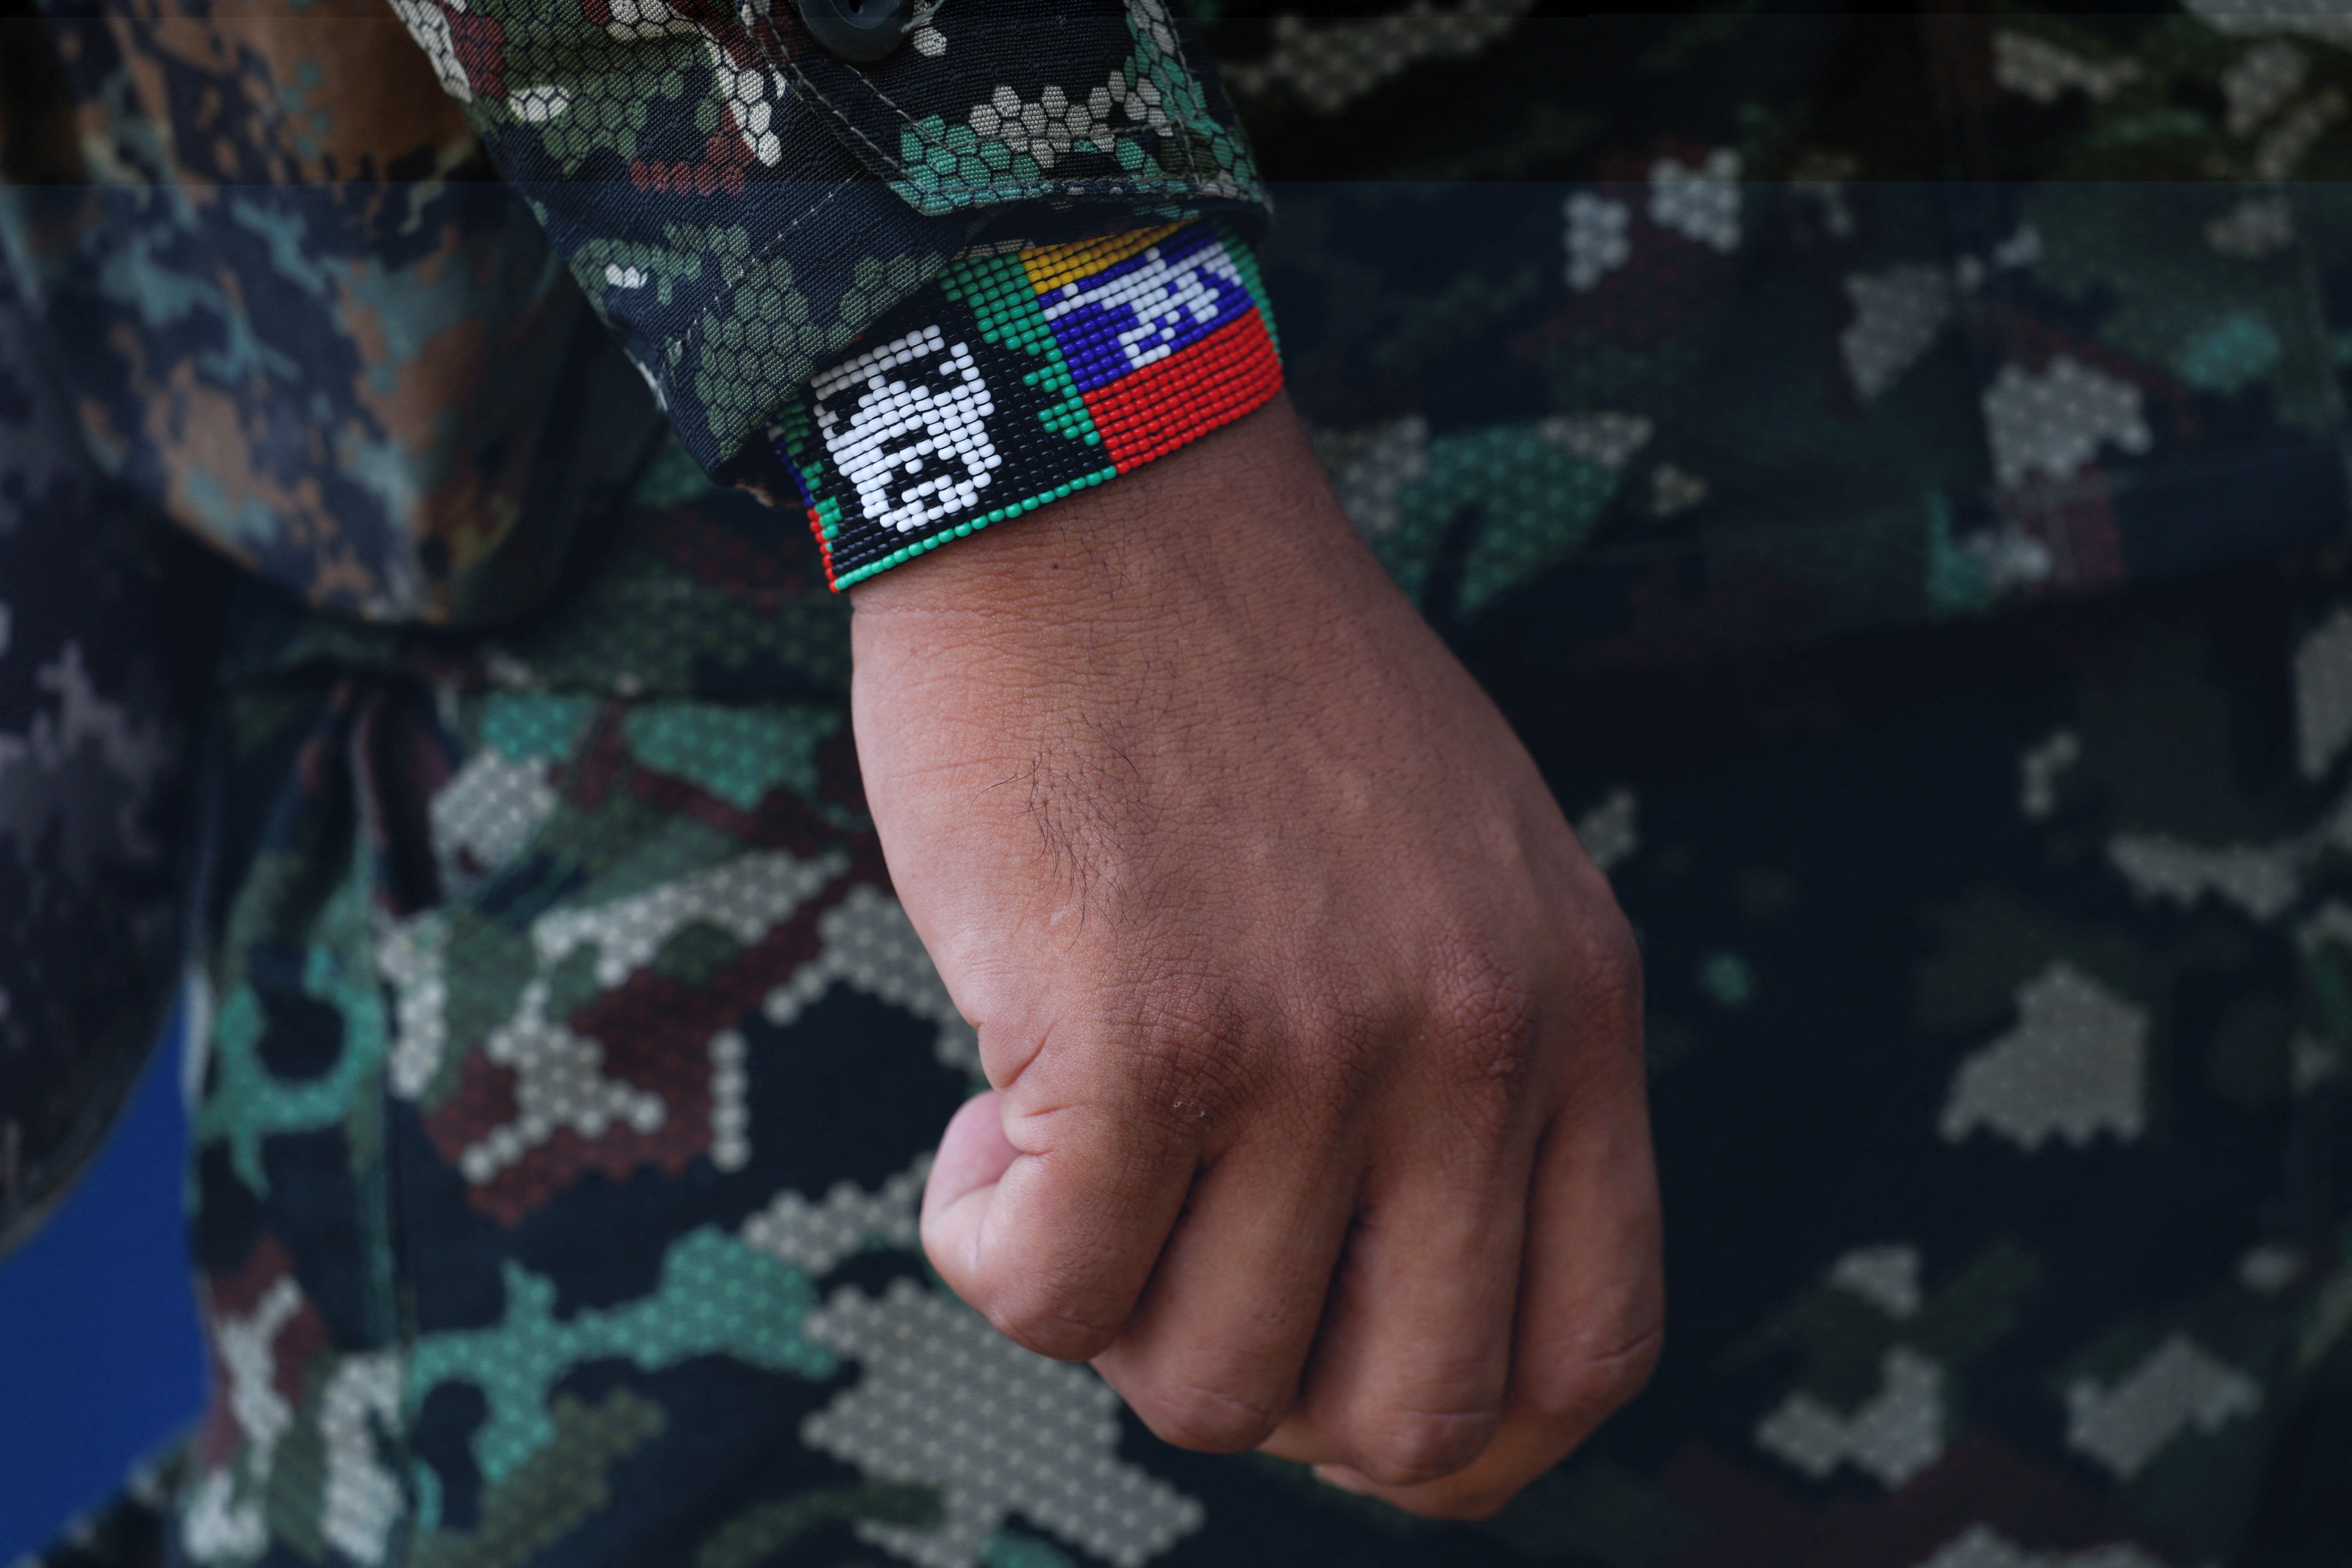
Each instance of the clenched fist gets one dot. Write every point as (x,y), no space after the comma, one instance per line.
(1316,1121)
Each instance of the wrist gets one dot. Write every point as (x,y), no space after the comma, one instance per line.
(1239,520)
(1062,555)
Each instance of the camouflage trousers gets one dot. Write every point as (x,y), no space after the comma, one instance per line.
(572,1071)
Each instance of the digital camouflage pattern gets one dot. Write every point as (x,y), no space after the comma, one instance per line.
(305,318)
(1632,337)
(97,762)
(572,1072)
(739,204)
(299,315)
(571,1068)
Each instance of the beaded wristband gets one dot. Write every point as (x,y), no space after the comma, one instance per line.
(1012,381)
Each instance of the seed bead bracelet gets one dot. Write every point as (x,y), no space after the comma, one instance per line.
(1012,381)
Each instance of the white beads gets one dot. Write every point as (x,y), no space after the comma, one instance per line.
(906,425)
(944,1400)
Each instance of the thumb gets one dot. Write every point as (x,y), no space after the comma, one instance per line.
(1050,1245)
(972,1158)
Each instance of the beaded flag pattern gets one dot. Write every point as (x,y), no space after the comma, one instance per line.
(1013,381)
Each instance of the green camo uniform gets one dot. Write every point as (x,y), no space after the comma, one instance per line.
(1891,471)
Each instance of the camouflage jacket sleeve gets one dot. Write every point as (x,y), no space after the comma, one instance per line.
(737,203)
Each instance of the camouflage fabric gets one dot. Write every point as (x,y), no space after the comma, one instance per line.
(306,321)
(105,647)
(573,1073)
(739,204)
(1777,319)
(1629,337)
(1733,388)
(297,316)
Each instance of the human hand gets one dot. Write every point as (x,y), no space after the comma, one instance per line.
(1317,1119)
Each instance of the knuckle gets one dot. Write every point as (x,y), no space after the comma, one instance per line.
(1600,1379)
(1492,1014)
(1424,1446)
(1609,977)
(1049,1330)
(1205,1419)
(1189,1064)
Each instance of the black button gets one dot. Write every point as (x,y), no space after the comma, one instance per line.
(859,31)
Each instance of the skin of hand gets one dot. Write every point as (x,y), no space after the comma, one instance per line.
(1317,1119)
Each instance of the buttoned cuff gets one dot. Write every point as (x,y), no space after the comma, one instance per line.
(1015,380)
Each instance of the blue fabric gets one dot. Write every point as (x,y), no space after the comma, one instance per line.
(100,1358)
